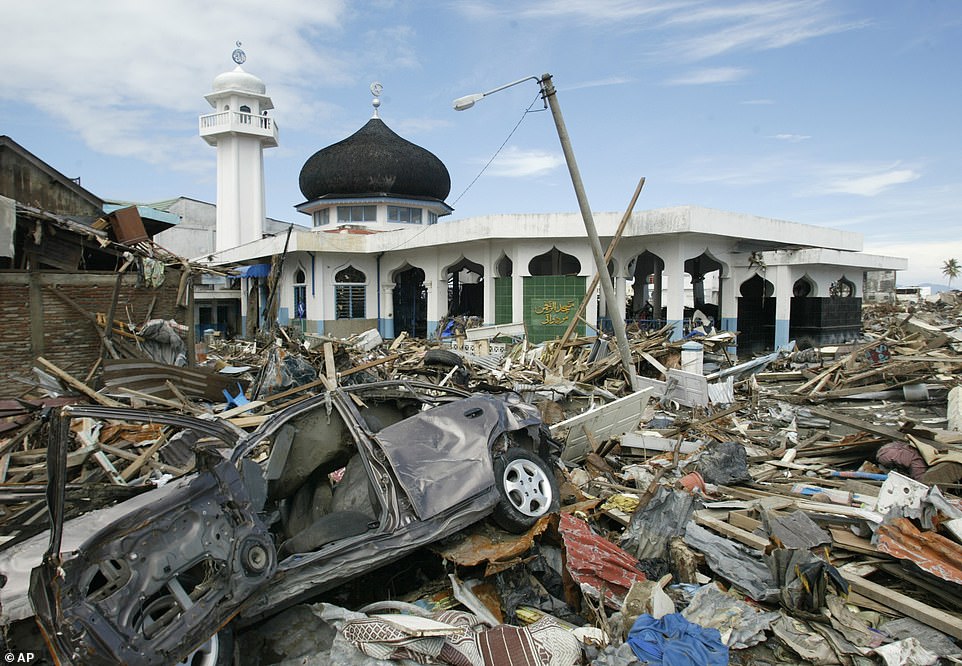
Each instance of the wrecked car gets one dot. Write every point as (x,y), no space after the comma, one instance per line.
(321,492)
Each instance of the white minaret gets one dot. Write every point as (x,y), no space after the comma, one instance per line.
(240,129)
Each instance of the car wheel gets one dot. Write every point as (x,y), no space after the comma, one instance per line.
(217,651)
(527,488)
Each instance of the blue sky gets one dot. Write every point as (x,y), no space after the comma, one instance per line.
(840,113)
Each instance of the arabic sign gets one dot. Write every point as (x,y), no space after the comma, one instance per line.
(554,313)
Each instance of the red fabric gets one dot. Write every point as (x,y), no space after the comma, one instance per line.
(902,456)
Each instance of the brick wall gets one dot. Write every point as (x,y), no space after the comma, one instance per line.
(58,332)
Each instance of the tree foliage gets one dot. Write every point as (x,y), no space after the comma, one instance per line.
(950,269)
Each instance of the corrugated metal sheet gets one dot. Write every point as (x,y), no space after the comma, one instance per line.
(596,563)
(931,551)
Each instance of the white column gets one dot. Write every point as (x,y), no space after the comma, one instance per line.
(783,303)
(675,268)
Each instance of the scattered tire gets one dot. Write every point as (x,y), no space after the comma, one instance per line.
(527,487)
(442,357)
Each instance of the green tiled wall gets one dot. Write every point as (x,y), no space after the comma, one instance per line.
(502,300)
(549,303)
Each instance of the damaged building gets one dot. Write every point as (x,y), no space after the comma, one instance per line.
(67,255)
(378,253)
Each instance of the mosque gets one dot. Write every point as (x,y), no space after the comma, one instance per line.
(382,252)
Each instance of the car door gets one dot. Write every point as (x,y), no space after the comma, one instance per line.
(158,580)
(441,456)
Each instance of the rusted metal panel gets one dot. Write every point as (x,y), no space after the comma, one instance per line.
(931,551)
(597,564)
(485,543)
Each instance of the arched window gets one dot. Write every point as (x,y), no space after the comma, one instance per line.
(349,286)
(300,294)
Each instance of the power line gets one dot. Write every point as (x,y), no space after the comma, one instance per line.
(498,151)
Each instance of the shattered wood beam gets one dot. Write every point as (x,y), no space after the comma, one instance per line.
(142,459)
(933,617)
(147,397)
(329,370)
(368,364)
(79,385)
(703,421)
(127,455)
(105,340)
(594,281)
(185,402)
(705,519)
(24,432)
(859,424)
(297,389)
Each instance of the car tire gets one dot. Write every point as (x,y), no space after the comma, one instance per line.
(527,488)
(442,357)
(218,651)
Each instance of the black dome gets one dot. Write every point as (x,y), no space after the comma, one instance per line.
(374,160)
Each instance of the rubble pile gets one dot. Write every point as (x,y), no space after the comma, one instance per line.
(797,507)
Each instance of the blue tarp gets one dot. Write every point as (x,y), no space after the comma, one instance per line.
(674,641)
(255,271)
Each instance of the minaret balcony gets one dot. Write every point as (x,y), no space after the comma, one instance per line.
(214,125)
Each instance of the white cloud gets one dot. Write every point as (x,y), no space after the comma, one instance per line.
(598,83)
(758,102)
(708,76)
(753,26)
(869,185)
(115,72)
(792,138)
(517,163)
(581,11)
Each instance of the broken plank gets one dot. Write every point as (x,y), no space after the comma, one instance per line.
(135,466)
(240,409)
(742,520)
(654,362)
(329,370)
(79,385)
(859,424)
(369,364)
(933,617)
(248,421)
(705,519)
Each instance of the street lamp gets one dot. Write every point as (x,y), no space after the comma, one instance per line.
(617,317)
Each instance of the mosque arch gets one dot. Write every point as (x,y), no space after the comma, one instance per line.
(554,262)
(503,267)
(843,288)
(804,287)
(465,281)
(756,315)
(410,300)
(645,273)
(705,272)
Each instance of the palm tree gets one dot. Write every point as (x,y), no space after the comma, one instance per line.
(950,269)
